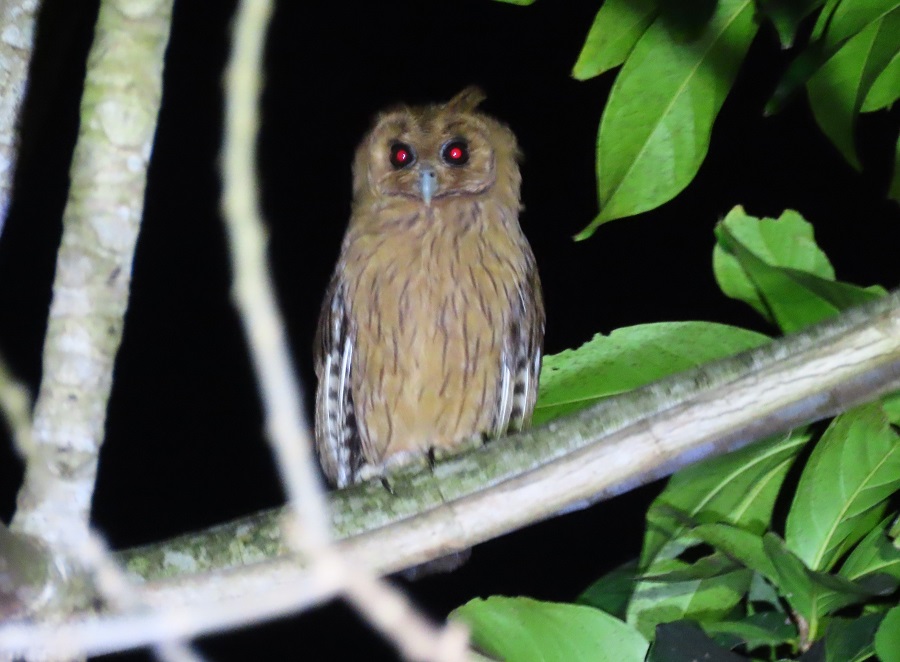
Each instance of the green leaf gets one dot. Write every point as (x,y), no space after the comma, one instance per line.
(708,567)
(824,20)
(837,23)
(816,594)
(632,357)
(763,592)
(849,18)
(887,639)
(525,629)
(874,554)
(839,87)
(739,544)
(791,297)
(886,88)
(891,405)
(686,642)
(853,468)
(787,241)
(786,16)
(612,592)
(739,488)
(655,129)
(656,602)
(851,640)
(616,29)
(769,628)
(518,2)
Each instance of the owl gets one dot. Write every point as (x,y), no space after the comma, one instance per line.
(433,322)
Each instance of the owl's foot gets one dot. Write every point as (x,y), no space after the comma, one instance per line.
(470,443)
(404,461)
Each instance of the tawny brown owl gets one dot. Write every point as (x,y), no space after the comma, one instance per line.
(432,326)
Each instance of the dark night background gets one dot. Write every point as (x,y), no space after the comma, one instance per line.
(185,449)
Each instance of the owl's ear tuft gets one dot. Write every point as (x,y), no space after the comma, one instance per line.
(467,100)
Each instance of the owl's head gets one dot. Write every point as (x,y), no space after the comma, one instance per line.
(428,154)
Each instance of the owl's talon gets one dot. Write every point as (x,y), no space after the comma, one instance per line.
(470,443)
(386,484)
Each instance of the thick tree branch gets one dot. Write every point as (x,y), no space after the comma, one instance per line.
(17,19)
(604,450)
(102,217)
(93,271)
(607,449)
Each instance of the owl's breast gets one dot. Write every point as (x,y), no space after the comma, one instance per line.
(430,302)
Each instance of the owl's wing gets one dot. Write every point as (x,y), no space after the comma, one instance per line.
(337,436)
(522,349)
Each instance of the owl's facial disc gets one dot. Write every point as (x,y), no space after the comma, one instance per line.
(428,183)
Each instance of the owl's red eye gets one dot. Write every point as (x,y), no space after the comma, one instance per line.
(402,155)
(456,152)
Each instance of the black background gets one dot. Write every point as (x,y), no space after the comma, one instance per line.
(184,446)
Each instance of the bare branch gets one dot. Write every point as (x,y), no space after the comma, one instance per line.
(101,221)
(17,19)
(612,447)
(602,451)
(93,273)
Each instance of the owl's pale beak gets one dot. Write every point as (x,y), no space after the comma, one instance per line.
(427,183)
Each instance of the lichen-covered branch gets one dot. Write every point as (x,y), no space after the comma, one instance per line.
(235,574)
(25,571)
(93,271)
(614,446)
(17,19)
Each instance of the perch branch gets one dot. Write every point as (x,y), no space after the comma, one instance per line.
(605,450)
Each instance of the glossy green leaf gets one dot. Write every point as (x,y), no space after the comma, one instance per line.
(790,297)
(769,628)
(525,629)
(816,594)
(837,23)
(612,592)
(616,29)
(853,469)
(873,554)
(684,641)
(849,18)
(739,488)
(763,592)
(891,405)
(839,87)
(851,640)
(787,241)
(887,639)
(655,129)
(786,16)
(632,357)
(886,88)
(656,602)
(707,567)
(739,544)
(824,19)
